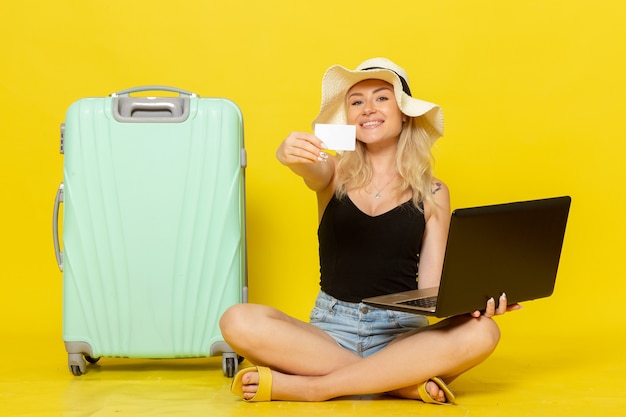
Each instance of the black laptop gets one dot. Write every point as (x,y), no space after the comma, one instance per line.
(511,248)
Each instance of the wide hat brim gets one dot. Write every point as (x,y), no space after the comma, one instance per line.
(338,80)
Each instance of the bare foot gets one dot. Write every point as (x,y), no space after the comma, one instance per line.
(435,392)
(284,387)
(250,384)
(412,393)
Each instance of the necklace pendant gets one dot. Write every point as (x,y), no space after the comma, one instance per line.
(377,196)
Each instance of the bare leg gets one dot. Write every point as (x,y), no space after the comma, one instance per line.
(447,350)
(268,337)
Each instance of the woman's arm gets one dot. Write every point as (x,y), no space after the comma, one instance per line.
(303,154)
(437,214)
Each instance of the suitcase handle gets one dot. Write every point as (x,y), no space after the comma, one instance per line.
(55,227)
(140,89)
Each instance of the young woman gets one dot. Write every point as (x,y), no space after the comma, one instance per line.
(383,227)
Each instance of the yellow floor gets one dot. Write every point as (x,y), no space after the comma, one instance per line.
(541,375)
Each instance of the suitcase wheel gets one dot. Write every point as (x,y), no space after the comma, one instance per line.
(230,363)
(229,366)
(76,363)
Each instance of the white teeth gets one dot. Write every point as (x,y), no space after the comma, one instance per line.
(372,123)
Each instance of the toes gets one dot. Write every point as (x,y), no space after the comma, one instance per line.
(250,388)
(250,385)
(251,378)
(249,395)
(435,392)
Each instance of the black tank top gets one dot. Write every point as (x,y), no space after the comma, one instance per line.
(364,256)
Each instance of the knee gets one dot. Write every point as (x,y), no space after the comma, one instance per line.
(487,334)
(479,337)
(234,321)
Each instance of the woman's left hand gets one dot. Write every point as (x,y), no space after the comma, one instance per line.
(501,308)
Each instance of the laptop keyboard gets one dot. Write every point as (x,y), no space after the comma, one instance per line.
(427,302)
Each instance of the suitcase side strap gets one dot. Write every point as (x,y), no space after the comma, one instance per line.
(55,227)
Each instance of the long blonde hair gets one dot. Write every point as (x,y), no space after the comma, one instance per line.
(414,164)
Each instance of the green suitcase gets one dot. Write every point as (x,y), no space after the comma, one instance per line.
(153,226)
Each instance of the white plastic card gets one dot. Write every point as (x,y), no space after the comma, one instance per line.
(337,137)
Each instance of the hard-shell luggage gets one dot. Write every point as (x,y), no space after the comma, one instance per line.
(153,226)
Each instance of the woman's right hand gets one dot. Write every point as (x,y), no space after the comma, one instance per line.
(502,307)
(301,148)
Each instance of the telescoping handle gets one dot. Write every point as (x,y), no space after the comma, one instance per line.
(55,227)
(139,89)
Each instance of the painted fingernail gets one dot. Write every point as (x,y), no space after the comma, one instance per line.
(324,155)
(319,158)
(323,145)
(491,301)
(503,295)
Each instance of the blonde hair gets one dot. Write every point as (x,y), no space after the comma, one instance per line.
(414,164)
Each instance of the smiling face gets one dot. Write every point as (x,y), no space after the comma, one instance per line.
(372,108)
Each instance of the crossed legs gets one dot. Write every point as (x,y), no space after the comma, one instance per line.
(308,365)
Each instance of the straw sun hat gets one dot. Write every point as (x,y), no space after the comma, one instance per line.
(338,80)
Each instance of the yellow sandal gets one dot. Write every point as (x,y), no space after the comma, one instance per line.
(425,396)
(264,390)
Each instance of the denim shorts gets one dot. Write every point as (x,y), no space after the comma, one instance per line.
(361,328)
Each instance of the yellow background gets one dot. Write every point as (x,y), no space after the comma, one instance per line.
(533,94)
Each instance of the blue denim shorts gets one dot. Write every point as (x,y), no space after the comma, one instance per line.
(361,328)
